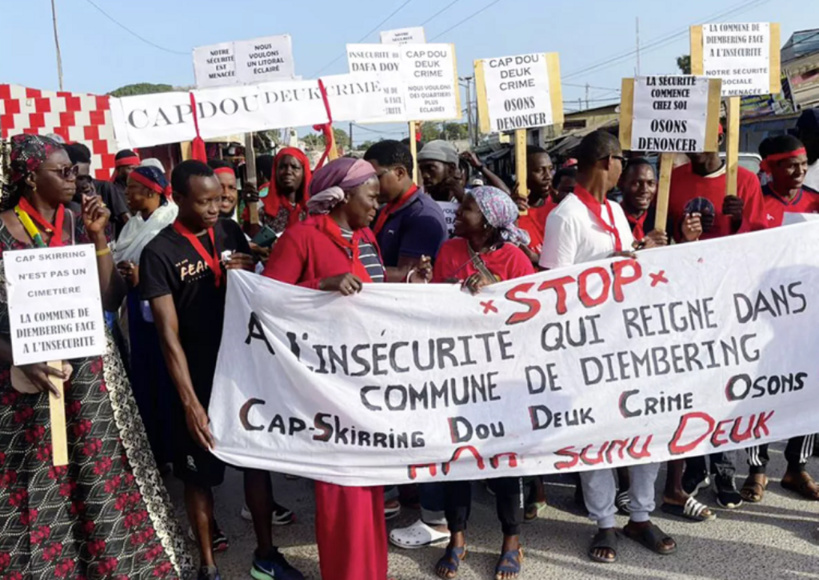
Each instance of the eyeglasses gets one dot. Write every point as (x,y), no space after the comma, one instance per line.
(66,172)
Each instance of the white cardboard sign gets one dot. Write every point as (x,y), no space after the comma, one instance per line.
(739,54)
(412,35)
(55,310)
(518,92)
(670,114)
(258,60)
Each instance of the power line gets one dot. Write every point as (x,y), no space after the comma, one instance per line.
(441,11)
(363,38)
(132,33)
(467,19)
(667,39)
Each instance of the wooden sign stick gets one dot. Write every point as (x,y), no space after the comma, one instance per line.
(521,172)
(250,175)
(663,190)
(414,150)
(732,145)
(56,408)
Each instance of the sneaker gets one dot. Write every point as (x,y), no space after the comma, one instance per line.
(208,573)
(275,567)
(692,485)
(220,541)
(727,495)
(281,516)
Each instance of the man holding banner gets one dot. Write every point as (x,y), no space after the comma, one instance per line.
(584,228)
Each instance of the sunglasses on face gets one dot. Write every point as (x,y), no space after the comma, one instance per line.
(65,172)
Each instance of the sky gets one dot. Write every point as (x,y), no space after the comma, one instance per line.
(596,39)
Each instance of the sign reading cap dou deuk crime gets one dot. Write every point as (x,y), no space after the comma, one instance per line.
(413,35)
(744,55)
(518,92)
(420,81)
(670,114)
(55,310)
(244,62)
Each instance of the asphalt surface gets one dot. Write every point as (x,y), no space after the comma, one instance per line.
(772,540)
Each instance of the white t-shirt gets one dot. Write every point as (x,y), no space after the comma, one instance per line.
(812,176)
(573,234)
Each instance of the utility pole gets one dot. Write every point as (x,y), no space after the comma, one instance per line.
(470,126)
(587,95)
(57,43)
(352,147)
(638,46)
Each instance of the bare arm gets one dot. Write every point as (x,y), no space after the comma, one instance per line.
(493,179)
(112,287)
(167,324)
(400,273)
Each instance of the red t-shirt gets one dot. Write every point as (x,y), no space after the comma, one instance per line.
(453,262)
(692,193)
(806,201)
(534,223)
(305,255)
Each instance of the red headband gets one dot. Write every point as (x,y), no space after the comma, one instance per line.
(226,170)
(142,180)
(127,161)
(765,165)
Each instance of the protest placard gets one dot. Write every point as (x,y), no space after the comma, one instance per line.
(420,81)
(746,56)
(518,92)
(254,61)
(449,208)
(413,35)
(669,114)
(146,120)
(55,315)
(604,364)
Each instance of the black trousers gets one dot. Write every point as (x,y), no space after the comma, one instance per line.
(508,497)
(722,464)
(797,452)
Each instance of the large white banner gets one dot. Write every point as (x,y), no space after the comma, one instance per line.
(687,350)
(147,120)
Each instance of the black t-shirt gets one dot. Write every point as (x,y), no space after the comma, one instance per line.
(170,265)
(113,195)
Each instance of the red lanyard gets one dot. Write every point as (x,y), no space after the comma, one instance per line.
(638,225)
(211,261)
(331,229)
(391,208)
(56,230)
(596,208)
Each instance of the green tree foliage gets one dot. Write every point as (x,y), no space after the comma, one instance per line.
(140,89)
(455,131)
(684,64)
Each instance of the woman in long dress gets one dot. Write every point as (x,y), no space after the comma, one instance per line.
(106,514)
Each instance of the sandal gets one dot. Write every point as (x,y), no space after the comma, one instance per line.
(533,510)
(692,510)
(608,540)
(652,537)
(450,561)
(623,502)
(753,490)
(509,564)
(804,486)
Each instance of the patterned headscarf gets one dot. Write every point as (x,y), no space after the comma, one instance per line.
(28,152)
(500,212)
(330,182)
(150,177)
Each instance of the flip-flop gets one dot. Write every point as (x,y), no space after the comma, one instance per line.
(753,490)
(692,510)
(652,537)
(606,539)
(509,563)
(451,561)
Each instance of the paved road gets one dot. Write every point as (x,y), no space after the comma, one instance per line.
(769,541)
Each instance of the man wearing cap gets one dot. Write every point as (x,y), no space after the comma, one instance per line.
(438,167)
(808,132)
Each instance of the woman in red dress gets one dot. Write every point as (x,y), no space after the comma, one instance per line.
(335,251)
(485,251)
